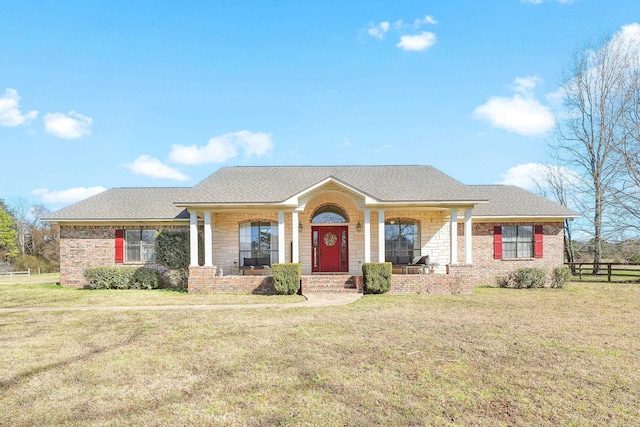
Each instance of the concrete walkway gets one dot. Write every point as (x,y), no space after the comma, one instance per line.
(313,300)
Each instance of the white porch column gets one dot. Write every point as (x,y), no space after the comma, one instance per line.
(208,244)
(453,236)
(467,237)
(281,254)
(367,235)
(193,238)
(295,255)
(381,246)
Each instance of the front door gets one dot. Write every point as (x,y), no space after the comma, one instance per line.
(330,249)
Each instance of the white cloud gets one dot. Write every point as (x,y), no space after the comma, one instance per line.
(378,31)
(428,19)
(10,114)
(417,42)
(526,85)
(522,113)
(628,34)
(68,126)
(149,166)
(524,176)
(71,195)
(222,148)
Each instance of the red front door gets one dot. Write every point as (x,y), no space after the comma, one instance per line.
(329,250)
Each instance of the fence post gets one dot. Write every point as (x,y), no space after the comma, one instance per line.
(28,272)
(580,271)
(609,272)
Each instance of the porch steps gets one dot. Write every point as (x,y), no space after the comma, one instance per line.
(331,283)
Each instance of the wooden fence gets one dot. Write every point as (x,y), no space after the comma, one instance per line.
(612,271)
(17,273)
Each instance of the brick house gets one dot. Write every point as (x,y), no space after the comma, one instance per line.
(441,235)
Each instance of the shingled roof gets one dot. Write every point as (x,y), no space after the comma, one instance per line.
(272,185)
(276,184)
(512,201)
(120,204)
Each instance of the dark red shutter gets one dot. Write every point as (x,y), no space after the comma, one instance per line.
(119,246)
(537,241)
(497,242)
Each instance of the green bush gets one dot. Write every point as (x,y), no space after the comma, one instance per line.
(530,277)
(286,278)
(122,278)
(560,276)
(523,278)
(507,281)
(377,277)
(24,262)
(172,248)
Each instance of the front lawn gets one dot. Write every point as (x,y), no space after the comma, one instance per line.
(51,295)
(498,357)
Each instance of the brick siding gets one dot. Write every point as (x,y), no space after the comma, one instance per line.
(82,247)
(486,269)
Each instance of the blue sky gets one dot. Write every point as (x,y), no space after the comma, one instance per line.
(105,94)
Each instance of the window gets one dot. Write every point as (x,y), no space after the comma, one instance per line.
(329,214)
(140,246)
(402,240)
(518,241)
(259,240)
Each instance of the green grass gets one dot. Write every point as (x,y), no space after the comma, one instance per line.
(34,279)
(52,295)
(498,357)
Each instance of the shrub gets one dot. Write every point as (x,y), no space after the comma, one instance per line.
(560,276)
(530,277)
(145,278)
(121,278)
(172,248)
(506,281)
(527,277)
(377,277)
(286,278)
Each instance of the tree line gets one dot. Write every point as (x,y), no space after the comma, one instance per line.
(25,240)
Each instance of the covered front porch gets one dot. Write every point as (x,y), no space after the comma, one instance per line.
(331,231)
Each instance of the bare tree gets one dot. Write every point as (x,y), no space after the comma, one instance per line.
(627,194)
(559,184)
(596,98)
(20,210)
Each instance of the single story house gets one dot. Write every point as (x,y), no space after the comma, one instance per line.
(441,235)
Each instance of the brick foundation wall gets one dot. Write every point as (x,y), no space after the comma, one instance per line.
(459,280)
(204,279)
(90,246)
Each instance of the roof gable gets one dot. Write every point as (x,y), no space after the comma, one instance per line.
(277,184)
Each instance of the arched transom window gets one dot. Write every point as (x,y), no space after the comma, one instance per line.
(329,214)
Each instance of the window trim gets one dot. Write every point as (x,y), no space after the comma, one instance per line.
(145,248)
(273,252)
(537,241)
(417,246)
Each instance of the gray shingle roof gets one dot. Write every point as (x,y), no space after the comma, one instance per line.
(279,183)
(238,185)
(126,204)
(509,200)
